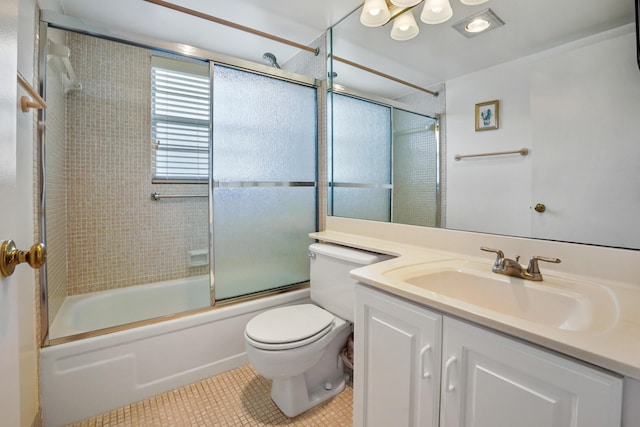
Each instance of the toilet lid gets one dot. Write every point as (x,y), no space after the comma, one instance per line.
(288,324)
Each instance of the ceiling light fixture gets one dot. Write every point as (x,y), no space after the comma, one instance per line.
(404,27)
(376,13)
(405,3)
(476,24)
(436,12)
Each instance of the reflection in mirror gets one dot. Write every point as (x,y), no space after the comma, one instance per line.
(386,168)
(571,96)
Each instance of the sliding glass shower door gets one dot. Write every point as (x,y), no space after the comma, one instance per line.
(384,161)
(361,158)
(264,181)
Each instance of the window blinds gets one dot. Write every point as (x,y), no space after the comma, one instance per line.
(180,119)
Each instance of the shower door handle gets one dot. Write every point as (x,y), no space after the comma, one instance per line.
(36,256)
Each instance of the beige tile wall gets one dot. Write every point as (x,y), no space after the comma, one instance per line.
(436,104)
(117,235)
(56,188)
(414,177)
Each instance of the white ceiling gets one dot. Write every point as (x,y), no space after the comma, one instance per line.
(301,21)
(438,54)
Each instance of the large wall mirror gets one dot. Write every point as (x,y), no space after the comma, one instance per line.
(566,79)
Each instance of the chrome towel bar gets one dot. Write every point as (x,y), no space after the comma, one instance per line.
(158,196)
(522,151)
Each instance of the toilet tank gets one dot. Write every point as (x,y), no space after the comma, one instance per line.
(332,288)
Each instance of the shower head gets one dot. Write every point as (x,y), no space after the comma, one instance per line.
(56,49)
(270,59)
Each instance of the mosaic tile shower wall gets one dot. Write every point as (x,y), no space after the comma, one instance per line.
(436,104)
(118,236)
(55,158)
(414,173)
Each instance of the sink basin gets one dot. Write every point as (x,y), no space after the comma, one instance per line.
(555,302)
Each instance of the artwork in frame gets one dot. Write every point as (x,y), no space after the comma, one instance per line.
(487,114)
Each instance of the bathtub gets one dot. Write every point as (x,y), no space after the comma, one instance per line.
(83,378)
(100,310)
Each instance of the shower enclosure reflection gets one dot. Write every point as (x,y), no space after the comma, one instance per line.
(387,167)
(131,188)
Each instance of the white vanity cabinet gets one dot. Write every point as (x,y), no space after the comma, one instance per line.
(490,380)
(397,362)
(416,367)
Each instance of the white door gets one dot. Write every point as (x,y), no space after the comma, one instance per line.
(397,362)
(575,148)
(9,362)
(493,381)
(18,373)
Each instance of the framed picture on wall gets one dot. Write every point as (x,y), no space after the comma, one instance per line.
(487,114)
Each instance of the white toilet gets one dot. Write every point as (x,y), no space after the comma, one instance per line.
(298,346)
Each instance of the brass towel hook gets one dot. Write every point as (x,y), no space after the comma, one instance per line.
(10,256)
(25,102)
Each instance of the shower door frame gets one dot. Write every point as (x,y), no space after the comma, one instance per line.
(50,19)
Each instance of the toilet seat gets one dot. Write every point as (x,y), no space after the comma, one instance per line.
(289,327)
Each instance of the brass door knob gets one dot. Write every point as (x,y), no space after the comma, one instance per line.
(10,256)
(540,208)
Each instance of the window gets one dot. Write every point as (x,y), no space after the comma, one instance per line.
(180,119)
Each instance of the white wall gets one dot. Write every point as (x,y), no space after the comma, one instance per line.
(489,194)
(573,105)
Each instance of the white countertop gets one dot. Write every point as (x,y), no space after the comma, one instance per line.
(616,348)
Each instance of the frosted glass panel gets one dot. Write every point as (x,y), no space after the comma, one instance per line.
(361,159)
(264,139)
(264,128)
(260,238)
(362,153)
(362,203)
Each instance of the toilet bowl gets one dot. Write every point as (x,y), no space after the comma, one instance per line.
(305,371)
(298,346)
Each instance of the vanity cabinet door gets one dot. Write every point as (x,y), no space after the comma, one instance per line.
(397,362)
(492,381)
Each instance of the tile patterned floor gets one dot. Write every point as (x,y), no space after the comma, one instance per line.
(236,398)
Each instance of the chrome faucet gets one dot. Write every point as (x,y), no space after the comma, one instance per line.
(513,268)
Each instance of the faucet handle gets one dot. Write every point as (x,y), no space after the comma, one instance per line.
(533,267)
(499,256)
